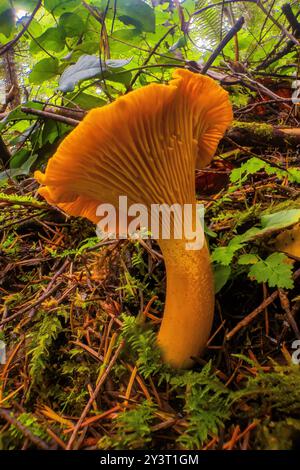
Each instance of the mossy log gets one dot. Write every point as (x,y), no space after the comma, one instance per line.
(251,134)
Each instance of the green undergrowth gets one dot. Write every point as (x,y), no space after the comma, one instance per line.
(58,351)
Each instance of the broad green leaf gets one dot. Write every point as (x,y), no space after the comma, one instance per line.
(123,40)
(71,24)
(7,20)
(280,219)
(275,270)
(60,6)
(35,28)
(85,100)
(18,115)
(118,76)
(4,6)
(23,170)
(87,66)
(43,70)
(50,132)
(272,223)
(27,5)
(221,276)
(137,13)
(51,40)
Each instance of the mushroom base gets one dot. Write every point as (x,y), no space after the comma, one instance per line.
(189,307)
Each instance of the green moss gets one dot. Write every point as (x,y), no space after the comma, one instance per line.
(257,128)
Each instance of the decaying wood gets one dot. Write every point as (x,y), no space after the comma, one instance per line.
(254,133)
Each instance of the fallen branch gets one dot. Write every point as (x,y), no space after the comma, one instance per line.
(248,319)
(254,134)
(49,115)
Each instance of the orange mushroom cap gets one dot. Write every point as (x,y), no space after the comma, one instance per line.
(145,145)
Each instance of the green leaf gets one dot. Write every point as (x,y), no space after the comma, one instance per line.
(7,20)
(18,115)
(248,259)
(50,132)
(272,223)
(19,158)
(221,276)
(23,170)
(87,66)
(43,70)
(85,100)
(224,254)
(178,44)
(137,13)
(275,270)
(118,76)
(60,6)
(250,167)
(294,174)
(280,219)
(35,28)
(123,40)
(51,40)
(71,24)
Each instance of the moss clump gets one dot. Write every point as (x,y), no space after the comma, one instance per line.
(256,128)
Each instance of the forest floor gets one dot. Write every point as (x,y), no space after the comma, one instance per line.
(79,319)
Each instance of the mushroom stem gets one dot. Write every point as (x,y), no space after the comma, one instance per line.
(189,306)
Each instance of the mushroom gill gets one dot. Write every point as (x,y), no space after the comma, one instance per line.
(146,146)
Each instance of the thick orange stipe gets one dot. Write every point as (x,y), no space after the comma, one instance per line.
(146,146)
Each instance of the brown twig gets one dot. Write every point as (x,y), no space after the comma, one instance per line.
(249,318)
(94,396)
(37,441)
(48,115)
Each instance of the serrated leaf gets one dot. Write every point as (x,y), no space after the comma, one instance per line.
(275,270)
(248,259)
(43,70)
(87,67)
(224,254)
(252,166)
(294,175)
